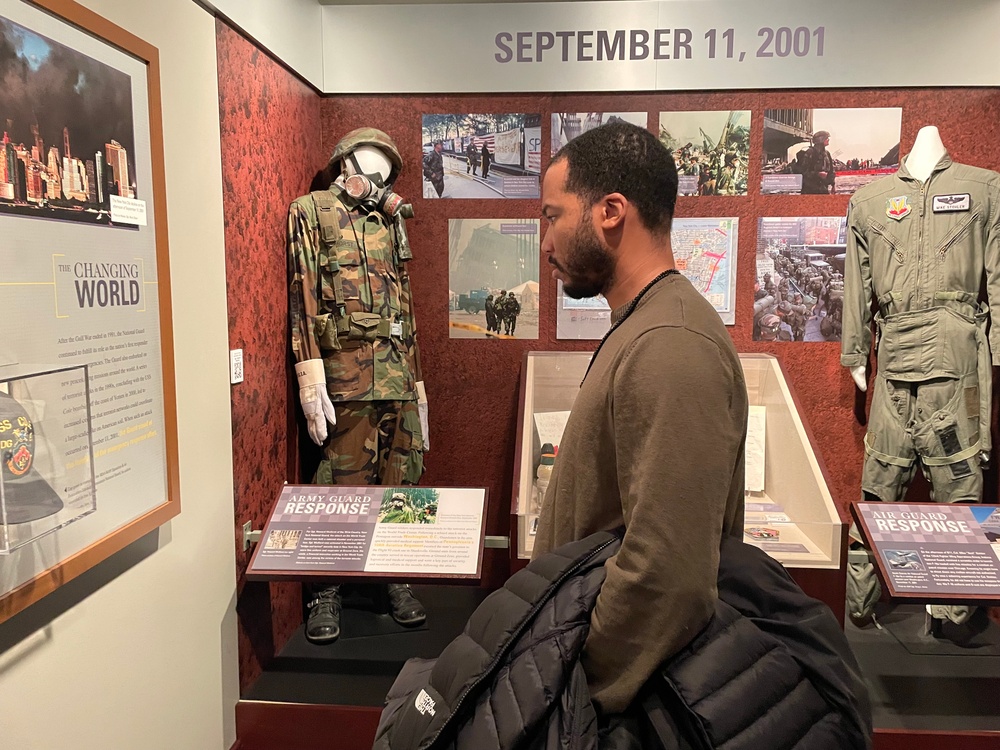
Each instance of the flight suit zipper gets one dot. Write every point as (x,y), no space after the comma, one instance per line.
(920,234)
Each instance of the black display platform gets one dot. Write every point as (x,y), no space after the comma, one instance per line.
(977,637)
(359,668)
(921,683)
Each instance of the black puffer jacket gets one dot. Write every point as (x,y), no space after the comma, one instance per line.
(771,670)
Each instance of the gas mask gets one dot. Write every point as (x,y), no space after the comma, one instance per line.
(369,188)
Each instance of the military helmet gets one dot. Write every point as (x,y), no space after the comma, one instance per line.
(368,137)
(819,135)
(770,324)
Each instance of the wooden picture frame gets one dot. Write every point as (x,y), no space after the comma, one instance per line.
(110,275)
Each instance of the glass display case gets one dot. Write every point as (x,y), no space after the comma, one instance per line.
(46,451)
(790,513)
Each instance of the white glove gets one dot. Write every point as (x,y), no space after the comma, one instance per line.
(422,413)
(315,400)
(858,373)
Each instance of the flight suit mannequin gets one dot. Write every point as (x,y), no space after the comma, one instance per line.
(919,243)
(354,340)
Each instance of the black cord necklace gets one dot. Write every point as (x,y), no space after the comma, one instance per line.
(629,309)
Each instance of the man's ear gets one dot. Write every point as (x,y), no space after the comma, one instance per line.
(614,208)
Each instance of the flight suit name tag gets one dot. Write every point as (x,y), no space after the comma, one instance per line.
(948,203)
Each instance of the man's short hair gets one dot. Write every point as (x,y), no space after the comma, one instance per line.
(623,158)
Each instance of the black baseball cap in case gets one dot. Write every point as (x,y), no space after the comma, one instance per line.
(27,496)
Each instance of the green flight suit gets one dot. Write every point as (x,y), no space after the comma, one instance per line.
(920,251)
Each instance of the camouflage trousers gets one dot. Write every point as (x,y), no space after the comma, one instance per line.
(374,442)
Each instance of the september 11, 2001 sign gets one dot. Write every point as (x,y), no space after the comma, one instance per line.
(317,531)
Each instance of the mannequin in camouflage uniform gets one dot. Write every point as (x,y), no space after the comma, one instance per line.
(354,340)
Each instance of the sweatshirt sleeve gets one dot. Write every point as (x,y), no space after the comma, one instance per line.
(679,415)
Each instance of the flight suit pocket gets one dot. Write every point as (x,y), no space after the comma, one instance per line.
(958,232)
(887,246)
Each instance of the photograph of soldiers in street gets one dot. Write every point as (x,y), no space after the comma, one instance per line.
(799,287)
(711,150)
(568,125)
(828,151)
(493,278)
(482,155)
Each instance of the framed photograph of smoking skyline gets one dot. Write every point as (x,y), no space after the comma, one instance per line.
(86,361)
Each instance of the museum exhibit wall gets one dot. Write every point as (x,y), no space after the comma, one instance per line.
(472,385)
(271,149)
(141,651)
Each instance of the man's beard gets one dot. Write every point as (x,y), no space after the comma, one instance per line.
(589,265)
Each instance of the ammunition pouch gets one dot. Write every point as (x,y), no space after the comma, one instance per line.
(364,326)
(326,332)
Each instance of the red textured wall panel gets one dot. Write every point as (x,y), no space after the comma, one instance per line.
(270,151)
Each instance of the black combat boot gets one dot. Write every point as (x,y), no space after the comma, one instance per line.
(323,624)
(406,608)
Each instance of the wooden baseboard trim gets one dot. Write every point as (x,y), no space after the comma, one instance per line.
(909,739)
(265,725)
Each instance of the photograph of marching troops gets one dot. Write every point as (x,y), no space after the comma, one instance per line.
(799,288)
(828,151)
(493,278)
(568,125)
(711,150)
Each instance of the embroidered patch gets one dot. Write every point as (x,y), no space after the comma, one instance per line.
(19,456)
(947,203)
(898,208)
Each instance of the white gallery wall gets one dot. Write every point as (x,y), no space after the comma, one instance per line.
(292,30)
(147,658)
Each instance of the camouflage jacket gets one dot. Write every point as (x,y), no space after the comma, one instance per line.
(433,166)
(350,302)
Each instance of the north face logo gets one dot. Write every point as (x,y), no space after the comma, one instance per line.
(424,703)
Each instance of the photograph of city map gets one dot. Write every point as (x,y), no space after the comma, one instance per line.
(568,125)
(799,287)
(827,151)
(67,124)
(493,278)
(711,150)
(482,155)
(705,252)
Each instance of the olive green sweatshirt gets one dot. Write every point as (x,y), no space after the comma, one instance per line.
(655,440)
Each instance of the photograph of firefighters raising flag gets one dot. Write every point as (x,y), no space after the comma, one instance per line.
(482,155)
(799,288)
(828,151)
(711,150)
